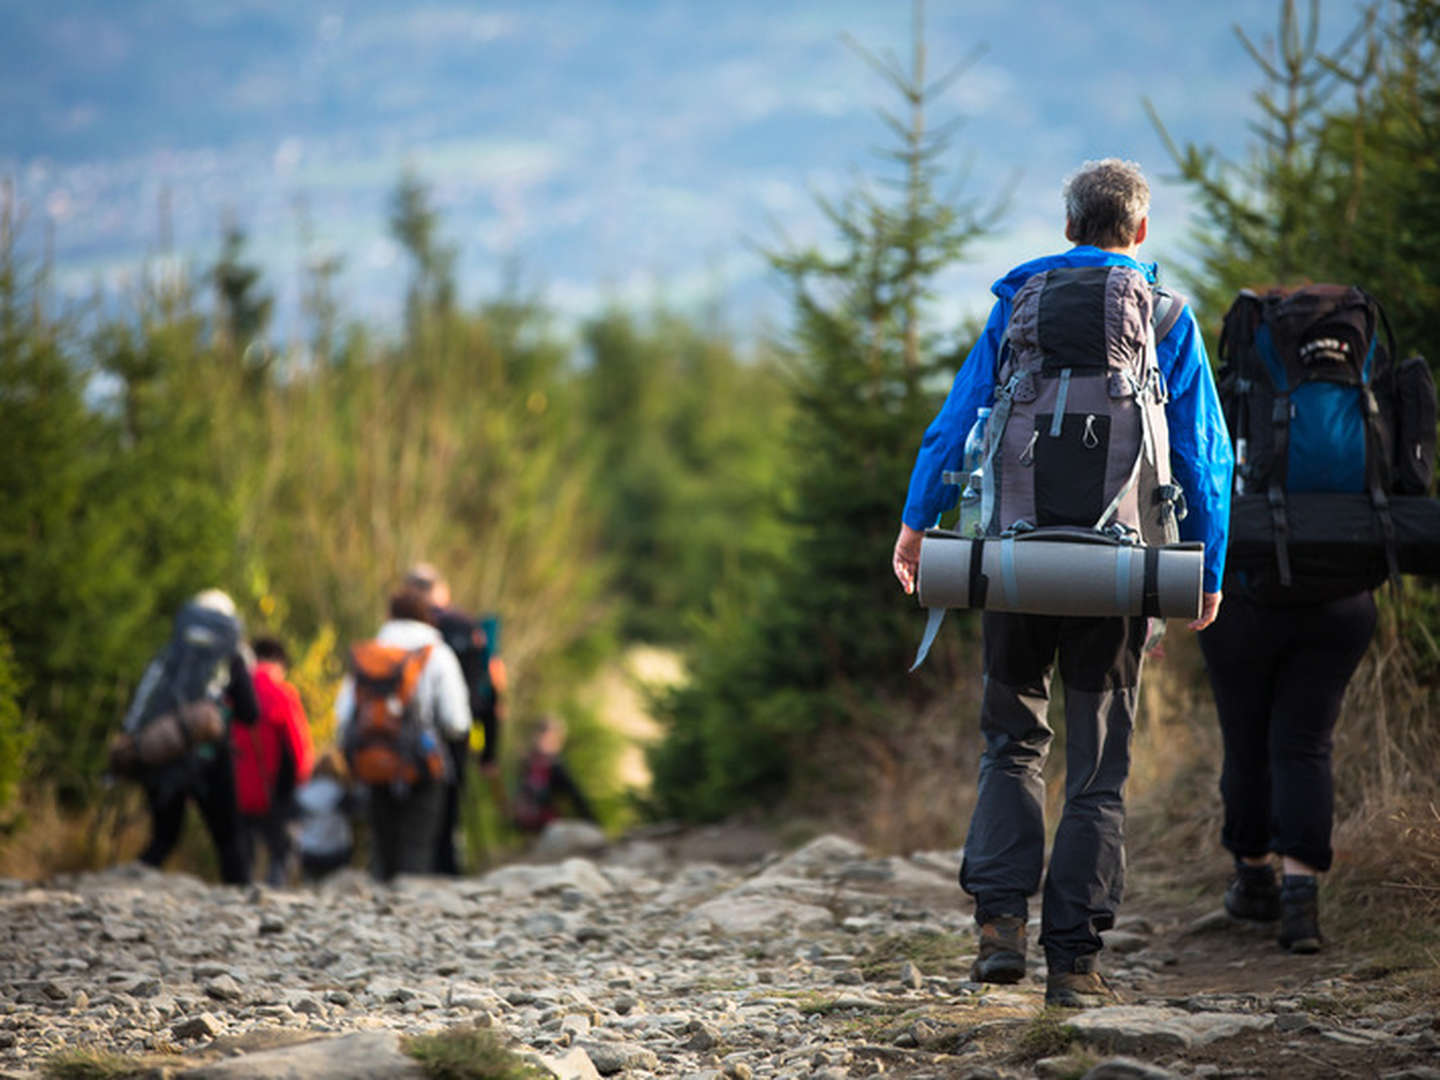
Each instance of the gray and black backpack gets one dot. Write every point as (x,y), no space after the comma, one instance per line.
(1078,435)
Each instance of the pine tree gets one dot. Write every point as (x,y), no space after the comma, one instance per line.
(415,226)
(244,310)
(821,647)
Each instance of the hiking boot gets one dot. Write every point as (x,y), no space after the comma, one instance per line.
(1079,988)
(1300,914)
(1253,894)
(1002,951)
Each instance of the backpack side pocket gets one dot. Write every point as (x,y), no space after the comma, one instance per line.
(1415,417)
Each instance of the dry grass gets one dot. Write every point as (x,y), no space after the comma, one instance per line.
(52,840)
(86,1064)
(469,1053)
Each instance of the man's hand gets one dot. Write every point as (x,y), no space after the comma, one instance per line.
(1209,608)
(906,560)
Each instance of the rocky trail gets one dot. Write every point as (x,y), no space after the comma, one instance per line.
(666,955)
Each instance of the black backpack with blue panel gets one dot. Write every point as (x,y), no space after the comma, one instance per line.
(1333,440)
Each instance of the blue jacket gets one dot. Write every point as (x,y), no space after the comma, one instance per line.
(1200,456)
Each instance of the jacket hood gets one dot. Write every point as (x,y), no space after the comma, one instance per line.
(1083,255)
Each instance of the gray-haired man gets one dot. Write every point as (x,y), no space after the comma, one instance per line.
(1107,218)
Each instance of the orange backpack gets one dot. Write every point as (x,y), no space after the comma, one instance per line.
(389,742)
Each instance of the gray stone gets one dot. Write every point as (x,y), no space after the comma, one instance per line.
(753,914)
(576,1024)
(574,1064)
(562,839)
(520,881)
(222,988)
(911,977)
(1123,941)
(1210,923)
(1130,1027)
(611,1058)
(369,1055)
(203,1026)
(1345,1038)
(703,1037)
(542,924)
(1125,1068)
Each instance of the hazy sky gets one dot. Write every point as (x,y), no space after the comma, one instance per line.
(613,150)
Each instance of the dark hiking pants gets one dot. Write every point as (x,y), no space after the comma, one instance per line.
(271,829)
(1099,661)
(211,784)
(447,840)
(1279,675)
(403,829)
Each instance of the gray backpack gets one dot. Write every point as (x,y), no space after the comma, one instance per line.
(1078,436)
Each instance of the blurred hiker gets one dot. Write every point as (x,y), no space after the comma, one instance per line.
(1298,621)
(544,786)
(403,697)
(1093,301)
(325,807)
(475,643)
(175,736)
(272,758)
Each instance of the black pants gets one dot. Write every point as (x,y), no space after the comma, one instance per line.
(273,831)
(1279,675)
(211,785)
(1004,853)
(447,854)
(403,829)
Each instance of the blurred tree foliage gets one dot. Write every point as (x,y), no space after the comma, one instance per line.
(656,485)
(15,736)
(1344,180)
(817,652)
(689,474)
(170,447)
(109,514)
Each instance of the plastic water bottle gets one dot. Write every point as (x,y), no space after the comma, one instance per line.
(971,495)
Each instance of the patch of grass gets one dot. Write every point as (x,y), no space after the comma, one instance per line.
(468,1053)
(933,953)
(1045,1036)
(89,1064)
(814,1003)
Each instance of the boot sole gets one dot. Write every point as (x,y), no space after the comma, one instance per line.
(1303,946)
(1004,968)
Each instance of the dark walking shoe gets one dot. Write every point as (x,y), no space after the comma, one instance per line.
(1300,914)
(1253,894)
(1079,988)
(1002,951)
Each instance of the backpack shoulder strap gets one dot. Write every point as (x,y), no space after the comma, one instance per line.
(1165,312)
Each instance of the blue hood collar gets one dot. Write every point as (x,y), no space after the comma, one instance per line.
(1081,255)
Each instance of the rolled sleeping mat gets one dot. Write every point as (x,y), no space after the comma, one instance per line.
(1056,571)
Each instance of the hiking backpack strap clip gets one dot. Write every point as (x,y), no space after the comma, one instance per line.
(1275,495)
